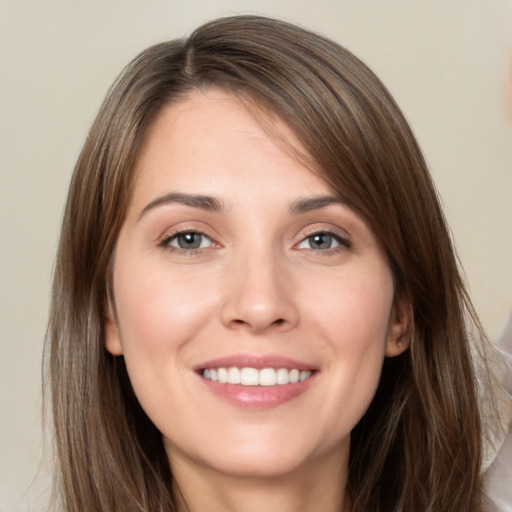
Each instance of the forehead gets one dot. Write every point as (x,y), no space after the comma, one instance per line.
(206,109)
(213,139)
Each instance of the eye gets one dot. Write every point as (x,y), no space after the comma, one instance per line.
(322,241)
(188,240)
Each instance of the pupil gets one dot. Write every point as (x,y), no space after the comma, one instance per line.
(321,241)
(189,241)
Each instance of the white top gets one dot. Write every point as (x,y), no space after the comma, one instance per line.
(498,478)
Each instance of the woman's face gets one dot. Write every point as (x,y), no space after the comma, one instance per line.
(253,309)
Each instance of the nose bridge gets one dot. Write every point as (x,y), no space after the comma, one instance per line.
(259,291)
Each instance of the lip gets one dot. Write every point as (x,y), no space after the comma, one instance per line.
(255,361)
(257,397)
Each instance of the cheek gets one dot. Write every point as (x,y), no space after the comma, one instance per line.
(359,331)
(156,309)
(353,323)
(158,313)
(355,313)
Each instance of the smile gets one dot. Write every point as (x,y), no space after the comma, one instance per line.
(257,382)
(256,377)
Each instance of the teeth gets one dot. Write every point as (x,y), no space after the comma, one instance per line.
(304,375)
(255,377)
(222,374)
(249,377)
(268,377)
(282,376)
(233,376)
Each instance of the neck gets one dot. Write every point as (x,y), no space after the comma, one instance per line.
(319,486)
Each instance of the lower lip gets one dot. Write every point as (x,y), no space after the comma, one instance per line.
(258,397)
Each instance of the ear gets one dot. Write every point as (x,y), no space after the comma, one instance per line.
(400,328)
(112,336)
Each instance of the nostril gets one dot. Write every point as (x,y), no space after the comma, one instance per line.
(237,322)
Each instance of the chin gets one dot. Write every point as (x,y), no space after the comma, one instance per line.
(261,466)
(263,457)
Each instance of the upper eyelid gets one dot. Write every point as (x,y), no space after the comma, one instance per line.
(166,243)
(331,229)
(175,234)
(187,227)
(314,228)
(344,242)
(342,236)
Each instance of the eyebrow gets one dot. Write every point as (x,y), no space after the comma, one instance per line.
(314,203)
(212,204)
(207,203)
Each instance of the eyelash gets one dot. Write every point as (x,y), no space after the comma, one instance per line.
(343,242)
(166,242)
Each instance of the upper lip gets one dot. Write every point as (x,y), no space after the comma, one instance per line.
(254,361)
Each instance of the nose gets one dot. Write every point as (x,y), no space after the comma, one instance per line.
(259,296)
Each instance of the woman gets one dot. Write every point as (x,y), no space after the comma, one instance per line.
(256,302)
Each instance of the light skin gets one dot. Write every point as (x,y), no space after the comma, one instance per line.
(231,247)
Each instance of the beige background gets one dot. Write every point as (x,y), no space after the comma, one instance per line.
(445,61)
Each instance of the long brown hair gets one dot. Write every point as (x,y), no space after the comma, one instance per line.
(418,447)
